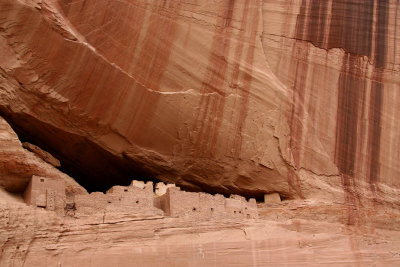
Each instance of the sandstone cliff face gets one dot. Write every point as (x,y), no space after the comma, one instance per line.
(180,90)
(340,63)
(41,239)
(343,77)
(17,165)
(245,97)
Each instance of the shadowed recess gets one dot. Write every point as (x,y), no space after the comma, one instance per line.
(94,168)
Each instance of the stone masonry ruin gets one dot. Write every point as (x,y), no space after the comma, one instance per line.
(137,198)
(177,203)
(46,193)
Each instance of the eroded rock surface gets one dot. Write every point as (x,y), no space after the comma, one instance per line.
(298,98)
(286,234)
(17,165)
(177,90)
(42,154)
(230,97)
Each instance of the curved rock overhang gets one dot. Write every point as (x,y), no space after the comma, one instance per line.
(94,168)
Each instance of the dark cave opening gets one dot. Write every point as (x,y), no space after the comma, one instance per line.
(97,169)
(93,167)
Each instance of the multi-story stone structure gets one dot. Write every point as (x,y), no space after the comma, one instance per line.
(137,198)
(47,193)
(177,203)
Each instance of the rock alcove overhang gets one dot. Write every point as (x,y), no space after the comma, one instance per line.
(93,167)
(97,169)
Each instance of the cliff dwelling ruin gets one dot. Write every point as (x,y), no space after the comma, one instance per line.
(90,164)
(199,133)
(97,169)
(137,198)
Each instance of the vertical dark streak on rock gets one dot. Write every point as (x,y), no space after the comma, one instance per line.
(377,91)
(314,27)
(300,68)
(359,28)
(395,30)
(157,55)
(246,79)
(300,22)
(304,30)
(321,21)
(381,34)
(375,130)
(336,27)
(352,88)
(298,110)
(211,109)
(362,43)
(347,117)
(351,29)
(228,17)
(314,32)
(237,141)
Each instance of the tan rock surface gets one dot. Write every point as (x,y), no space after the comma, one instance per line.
(341,64)
(42,154)
(180,90)
(17,165)
(298,98)
(229,97)
(290,234)
(298,232)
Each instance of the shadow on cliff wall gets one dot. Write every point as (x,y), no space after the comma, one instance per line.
(91,166)
(95,168)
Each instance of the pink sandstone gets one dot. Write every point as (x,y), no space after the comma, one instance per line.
(42,154)
(298,98)
(17,165)
(272,103)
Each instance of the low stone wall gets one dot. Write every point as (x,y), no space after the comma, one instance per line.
(177,203)
(133,198)
(237,206)
(139,198)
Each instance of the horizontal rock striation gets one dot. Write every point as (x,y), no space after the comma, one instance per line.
(299,234)
(295,100)
(341,64)
(298,98)
(176,90)
(17,165)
